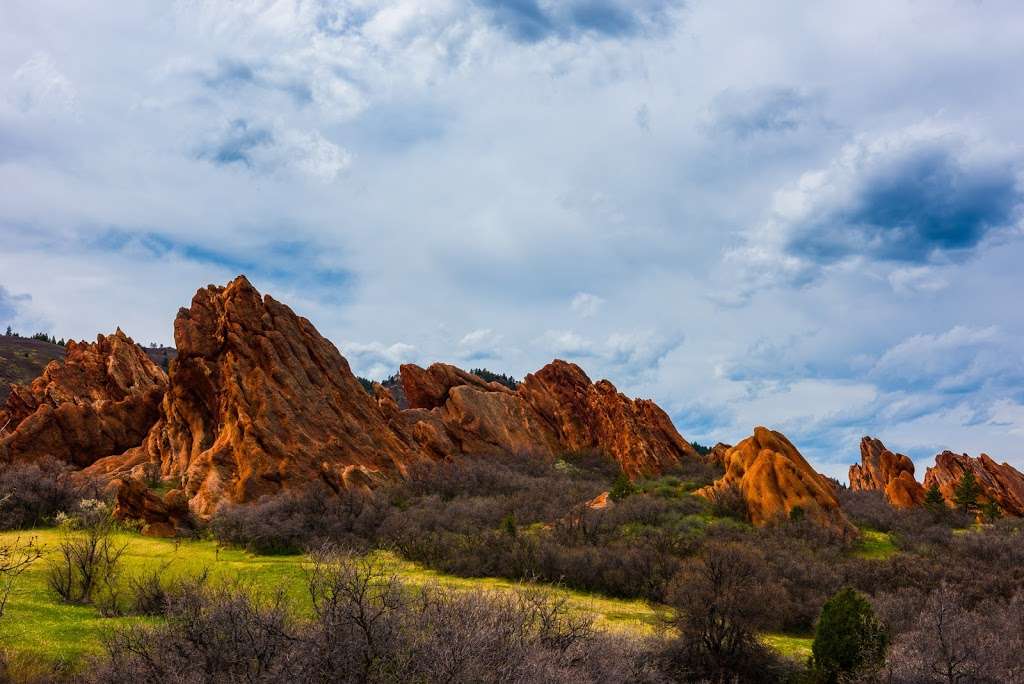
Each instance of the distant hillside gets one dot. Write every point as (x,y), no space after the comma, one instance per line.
(22,359)
(161,356)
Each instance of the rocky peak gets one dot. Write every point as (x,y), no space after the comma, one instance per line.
(100,399)
(586,415)
(888,472)
(259,402)
(775,480)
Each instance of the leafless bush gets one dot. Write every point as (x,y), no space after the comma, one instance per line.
(31,494)
(728,502)
(951,642)
(15,558)
(722,600)
(211,635)
(88,558)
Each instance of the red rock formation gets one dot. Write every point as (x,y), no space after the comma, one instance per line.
(1001,483)
(162,516)
(884,471)
(717,454)
(636,432)
(258,403)
(556,410)
(774,479)
(101,399)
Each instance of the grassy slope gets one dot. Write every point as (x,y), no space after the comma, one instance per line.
(36,624)
(875,545)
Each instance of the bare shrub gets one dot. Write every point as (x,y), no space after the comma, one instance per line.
(15,558)
(88,558)
(32,494)
(728,502)
(292,523)
(211,634)
(722,600)
(951,642)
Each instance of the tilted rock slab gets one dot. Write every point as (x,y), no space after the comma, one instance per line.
(887,472)
(259,403)
(774,479)
(101,399)
(1001,483)
(556,410)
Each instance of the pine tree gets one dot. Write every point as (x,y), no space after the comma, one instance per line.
(990,511)
(621,488)
(9,332)
(933,499)
(966,492)
(849,641)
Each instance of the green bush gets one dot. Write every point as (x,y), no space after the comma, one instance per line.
(849,641)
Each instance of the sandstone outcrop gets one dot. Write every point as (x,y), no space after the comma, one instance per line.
(101,399)
(775,480)
(162,516)
(887,472)
(555,410)
(259,402)
(1001,483)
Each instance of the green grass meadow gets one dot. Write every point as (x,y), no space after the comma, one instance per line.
(38,628)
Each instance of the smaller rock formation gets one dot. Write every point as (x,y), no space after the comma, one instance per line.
(555,410)
(100,400)
(717,454)
(888,472)
(162,516)
(775,481)
(1001,483)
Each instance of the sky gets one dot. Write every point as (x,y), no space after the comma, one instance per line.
(804,215)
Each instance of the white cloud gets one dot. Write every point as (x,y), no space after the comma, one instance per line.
(586,305)
(479,344)
(376,360)
(40,85)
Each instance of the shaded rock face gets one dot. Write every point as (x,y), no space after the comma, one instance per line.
(258,403)
(163,516)
(1001,483)
(555,410)
(101,399)
(774,479)
(884,471)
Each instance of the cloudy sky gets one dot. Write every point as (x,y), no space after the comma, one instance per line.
(806,215)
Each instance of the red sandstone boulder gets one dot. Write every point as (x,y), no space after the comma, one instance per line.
(774,480)
(1001,483)
(884,471)
(101,399)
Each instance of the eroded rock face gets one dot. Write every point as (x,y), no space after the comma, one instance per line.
(555,410)
(164,516)
(101,399)
(774,479)
(585,415)
(1001,483)
(258,403)
(888,472)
